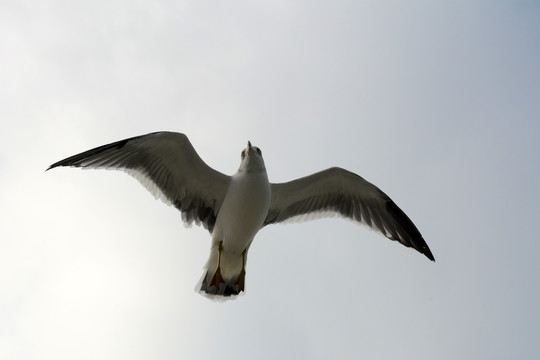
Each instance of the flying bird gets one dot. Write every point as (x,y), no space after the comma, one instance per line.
(234,208)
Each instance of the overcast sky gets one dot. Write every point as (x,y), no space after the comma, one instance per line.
(435,102)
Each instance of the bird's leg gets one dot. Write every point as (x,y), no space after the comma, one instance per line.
(240,282)
(217,278)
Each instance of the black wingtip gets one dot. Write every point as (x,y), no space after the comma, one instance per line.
(412,237)
(427,252)
(75,159)
(56,164)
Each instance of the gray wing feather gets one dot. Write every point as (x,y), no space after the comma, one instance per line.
(167,164)
(338,191)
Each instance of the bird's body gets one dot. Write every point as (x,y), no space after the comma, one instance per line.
(234,208)
(241,216)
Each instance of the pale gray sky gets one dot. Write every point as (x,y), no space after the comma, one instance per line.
(437,103)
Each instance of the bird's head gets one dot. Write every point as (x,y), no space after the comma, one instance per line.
(252,160)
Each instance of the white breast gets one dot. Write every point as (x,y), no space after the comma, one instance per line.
(243,211)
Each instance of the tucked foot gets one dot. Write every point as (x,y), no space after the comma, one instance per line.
(212,285)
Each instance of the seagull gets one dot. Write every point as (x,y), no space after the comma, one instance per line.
(234,208)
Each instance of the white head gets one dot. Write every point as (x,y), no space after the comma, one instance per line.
(252,160)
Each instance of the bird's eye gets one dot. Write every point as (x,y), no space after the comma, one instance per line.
(243,154)
(259,151)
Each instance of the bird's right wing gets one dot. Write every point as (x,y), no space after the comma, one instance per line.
(166,164)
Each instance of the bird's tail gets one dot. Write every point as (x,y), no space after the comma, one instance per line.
(216,285)
(225,274)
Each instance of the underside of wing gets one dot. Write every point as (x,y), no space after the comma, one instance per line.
(337,191)
(166,164)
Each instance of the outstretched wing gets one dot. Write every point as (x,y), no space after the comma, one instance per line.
(166,164)
(338,191)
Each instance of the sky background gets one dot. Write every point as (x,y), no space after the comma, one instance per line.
(435,102)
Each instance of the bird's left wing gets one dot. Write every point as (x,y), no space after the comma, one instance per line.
(341,192)
(166,164)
